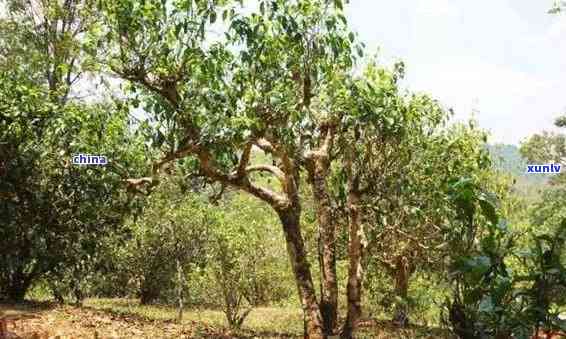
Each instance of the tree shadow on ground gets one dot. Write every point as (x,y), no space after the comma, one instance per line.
(216,332)
(375,328)
(26,308)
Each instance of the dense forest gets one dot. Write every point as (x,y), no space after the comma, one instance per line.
(266,177)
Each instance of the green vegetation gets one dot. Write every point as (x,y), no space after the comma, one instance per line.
(274,181)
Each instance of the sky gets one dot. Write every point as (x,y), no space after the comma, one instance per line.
(502,62)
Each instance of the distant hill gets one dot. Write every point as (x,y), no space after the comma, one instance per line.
(507,158)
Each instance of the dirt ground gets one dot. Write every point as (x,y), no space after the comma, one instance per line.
(50,321)
(45,321)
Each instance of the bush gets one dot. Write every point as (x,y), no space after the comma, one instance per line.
(168,237)
(490,297)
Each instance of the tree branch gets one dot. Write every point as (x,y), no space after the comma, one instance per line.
(158,166)
(244,160)
(327,136)
(265,146)
(241,182)
(267,168)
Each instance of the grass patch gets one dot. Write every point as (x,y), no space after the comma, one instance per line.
(265,322)
(275,321)
(126,318)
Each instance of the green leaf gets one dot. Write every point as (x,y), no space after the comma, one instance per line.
(360,51)
(489,212)
(486,305)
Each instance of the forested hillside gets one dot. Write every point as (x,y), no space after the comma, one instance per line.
(509,159)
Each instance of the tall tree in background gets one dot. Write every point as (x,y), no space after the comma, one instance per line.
(49,38)
(410,220)
(53,213)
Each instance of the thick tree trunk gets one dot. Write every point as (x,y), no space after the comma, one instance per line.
(17,287)
(301,269)
(327,246)
(355,270)
(402,273)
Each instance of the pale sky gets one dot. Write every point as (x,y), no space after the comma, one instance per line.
(503,59)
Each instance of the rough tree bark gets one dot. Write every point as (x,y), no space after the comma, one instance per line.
(327,253)
(301,269)
(402,273)
(319,169)
(355,256)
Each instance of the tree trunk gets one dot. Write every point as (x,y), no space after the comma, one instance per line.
(79,296)
(301,269)
(180,285)
(76,289)
(58,297)
(16,294)
(148,292)
(327,246)
(402,273)
(355,270)
(17,287)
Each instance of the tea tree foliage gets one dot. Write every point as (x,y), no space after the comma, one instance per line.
(62,210)
(53,213)
(282,80)
(410,221)
(218,102)
(47,38)
(502,284)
